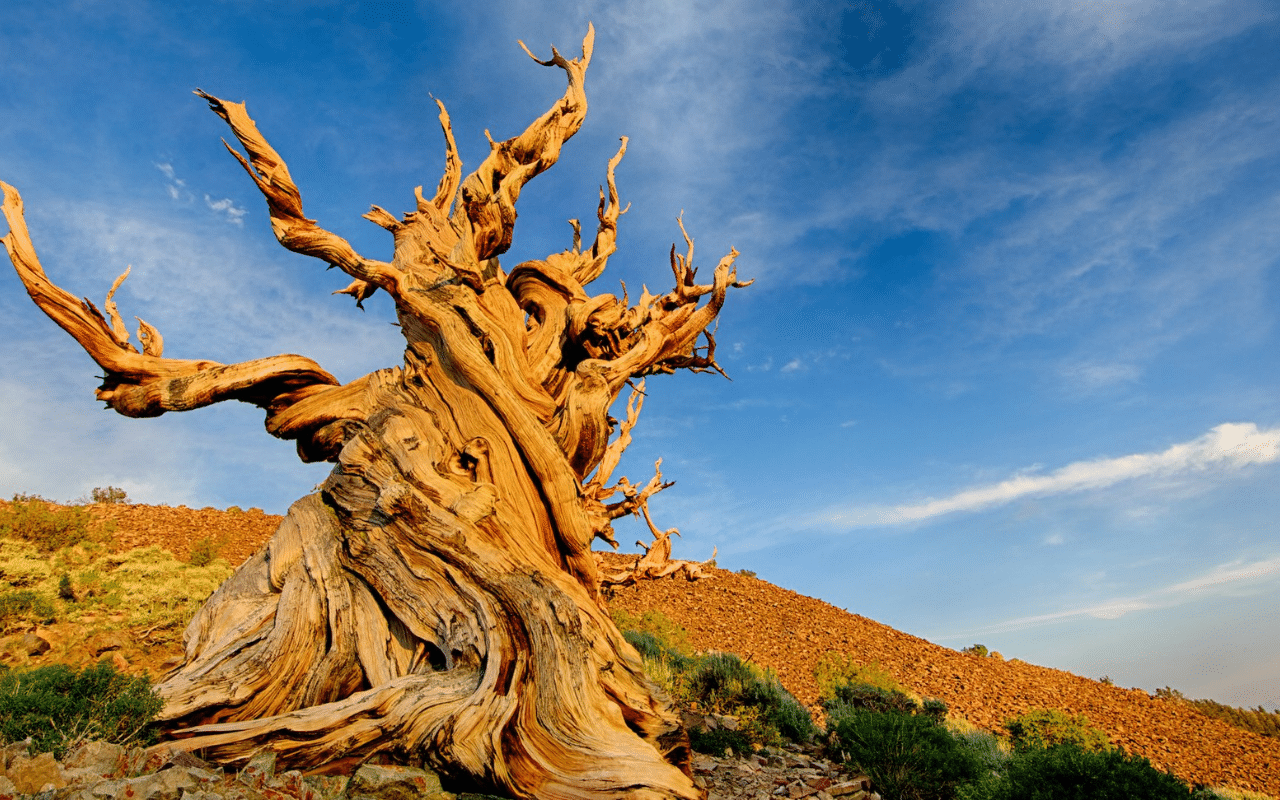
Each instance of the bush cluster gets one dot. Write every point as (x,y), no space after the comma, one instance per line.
(108,494)
(48,527)
(1067,772)
(1258,720)
(23,604)
(1042,728)
(910,751)
(718,683)
(204,551)
(838,669)
(907,755)
(58,706)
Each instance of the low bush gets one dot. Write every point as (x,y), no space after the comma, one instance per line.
(718,741)
(849,697)
(907,756)
(108,494)
(58,706)
(204,551)
(1068,772)
(719,683)
(667,633)
(45,525)
(148,586)
(1258,720)
(1040,728)
(25,605)
(979,650)
(725,684)
(835,669)
(991,751)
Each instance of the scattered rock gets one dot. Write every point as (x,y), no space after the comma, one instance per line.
(38,774)
(259,771)
(168,784)
(105,641)
(11,751)
(372,782)
(793,773)
(93,761)
(33,644)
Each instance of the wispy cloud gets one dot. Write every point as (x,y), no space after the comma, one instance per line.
(1219,580)
(225,208)
(176,187)
(233,213)
(1227,446)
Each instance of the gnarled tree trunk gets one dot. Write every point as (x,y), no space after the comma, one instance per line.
(438,596)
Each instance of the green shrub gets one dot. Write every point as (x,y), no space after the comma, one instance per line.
(48,527)
(670,635)
(1040,728)
(990,750)
(108,494)
(835,669)
(720,683)
(717,741)
(725,684)
(65,590)
(25,604)
(204,551)
(850,697)
(979,650)
(907,756)
(1067,772)
(58,706)
(935,709)
(747,573)
(1258,720)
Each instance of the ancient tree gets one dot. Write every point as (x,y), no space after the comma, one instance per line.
(438,597)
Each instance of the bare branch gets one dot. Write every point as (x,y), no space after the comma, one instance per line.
(606,242)
(79,318)
(146,384)
(614,452)
(291,226)
(488,195)
(118,331)
(447,189)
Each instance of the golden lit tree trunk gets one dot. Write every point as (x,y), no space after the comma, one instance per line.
(437,598)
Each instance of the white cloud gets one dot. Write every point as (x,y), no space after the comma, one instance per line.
(234,214)
(1227,446)
(794,365)
(1219,580)
(176,187)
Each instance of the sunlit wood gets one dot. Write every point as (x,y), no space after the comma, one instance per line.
(438,596)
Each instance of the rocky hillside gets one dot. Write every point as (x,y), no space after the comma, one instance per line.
(789,632)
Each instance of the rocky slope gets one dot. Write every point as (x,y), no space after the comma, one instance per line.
(788,633)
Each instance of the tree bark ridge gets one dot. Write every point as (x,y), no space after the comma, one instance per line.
(437,597)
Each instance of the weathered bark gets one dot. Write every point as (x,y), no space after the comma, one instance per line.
(438,596)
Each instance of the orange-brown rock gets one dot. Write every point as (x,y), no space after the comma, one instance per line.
(789,632)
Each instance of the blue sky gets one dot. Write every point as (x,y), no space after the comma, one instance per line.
(1007,375)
